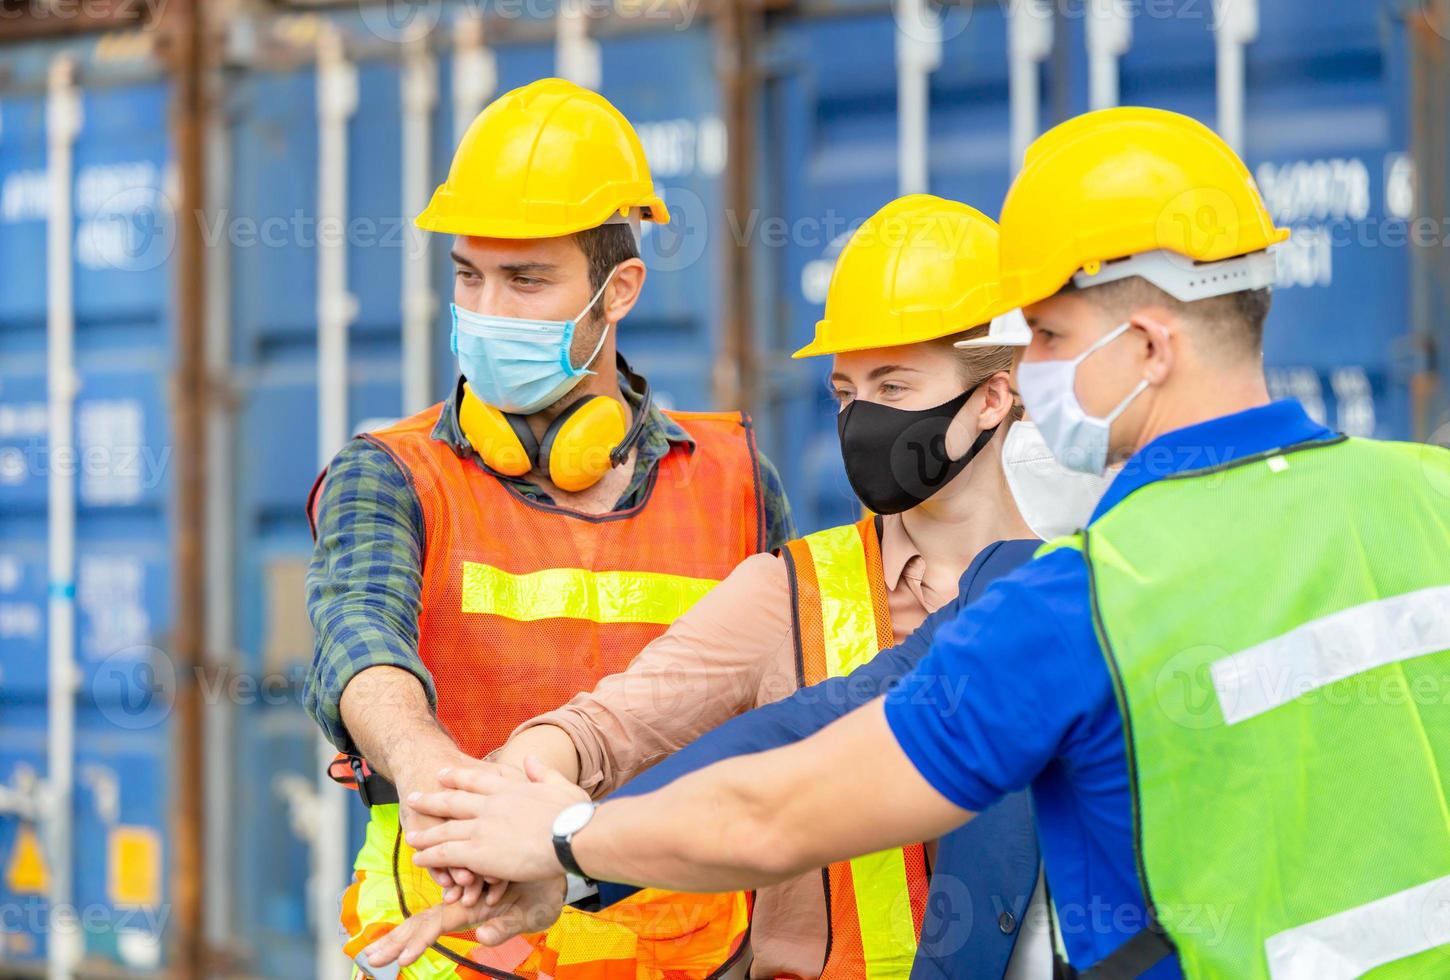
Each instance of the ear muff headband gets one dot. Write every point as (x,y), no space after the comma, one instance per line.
(587,440)
(525,435)
(576,451)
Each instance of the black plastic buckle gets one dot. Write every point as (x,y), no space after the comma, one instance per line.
(372,788)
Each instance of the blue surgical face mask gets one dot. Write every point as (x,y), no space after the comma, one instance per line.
(520,366)
(1049,393)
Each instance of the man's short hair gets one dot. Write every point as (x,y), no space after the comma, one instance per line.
(1232,326)
(604,248)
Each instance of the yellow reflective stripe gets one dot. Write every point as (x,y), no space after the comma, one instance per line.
(883,909)
(377,893)
(848,617)
(848,624)
(1073,541)
(577,593)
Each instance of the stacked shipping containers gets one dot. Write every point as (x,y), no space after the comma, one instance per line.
(121,590)
(1325,129)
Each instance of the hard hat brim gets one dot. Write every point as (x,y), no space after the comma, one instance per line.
(819,348)
(435,219)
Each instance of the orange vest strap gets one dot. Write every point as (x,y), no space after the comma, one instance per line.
(733,418)
(872,902)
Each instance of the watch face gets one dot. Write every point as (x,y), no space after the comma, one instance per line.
(572,819)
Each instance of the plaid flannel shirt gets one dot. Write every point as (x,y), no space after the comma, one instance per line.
(365,582)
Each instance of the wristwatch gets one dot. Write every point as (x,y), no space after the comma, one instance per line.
(568,823)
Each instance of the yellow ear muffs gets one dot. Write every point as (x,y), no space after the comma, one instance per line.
(495,436)
(579,447)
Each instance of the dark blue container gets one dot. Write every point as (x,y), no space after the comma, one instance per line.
(121,241)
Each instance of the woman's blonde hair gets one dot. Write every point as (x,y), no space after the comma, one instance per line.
(980,363)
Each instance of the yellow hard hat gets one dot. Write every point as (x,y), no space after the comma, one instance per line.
(920,268)
(1133,182)
(548,159)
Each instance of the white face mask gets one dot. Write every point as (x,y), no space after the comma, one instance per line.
(1052,499)
(1048,389)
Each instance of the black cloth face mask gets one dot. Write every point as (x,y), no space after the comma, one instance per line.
(895,458)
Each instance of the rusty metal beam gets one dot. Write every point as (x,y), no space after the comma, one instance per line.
(183,46)
(737,31)
(1428,27)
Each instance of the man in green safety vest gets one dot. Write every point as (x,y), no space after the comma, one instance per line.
(1229,693)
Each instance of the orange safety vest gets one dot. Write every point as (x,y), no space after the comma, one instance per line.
(874,904)
(525,604)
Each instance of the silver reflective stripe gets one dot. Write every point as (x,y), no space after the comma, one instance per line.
(1350,944)
(1330,649)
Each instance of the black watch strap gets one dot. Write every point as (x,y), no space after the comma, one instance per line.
(564,851)
(570,821)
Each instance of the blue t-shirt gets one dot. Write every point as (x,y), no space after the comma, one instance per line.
(1016,693)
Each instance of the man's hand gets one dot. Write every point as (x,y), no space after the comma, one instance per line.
(386,711)
(531,907)
(492,825)
(408,941)
(418,774)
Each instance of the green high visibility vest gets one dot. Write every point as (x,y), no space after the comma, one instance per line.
(1278,631)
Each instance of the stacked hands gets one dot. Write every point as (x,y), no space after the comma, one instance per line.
(486,838)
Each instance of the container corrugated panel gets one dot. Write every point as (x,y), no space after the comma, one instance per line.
(1322,139)
(1325,88)
(121,240)
(829,132)
(273,126)
(663,81)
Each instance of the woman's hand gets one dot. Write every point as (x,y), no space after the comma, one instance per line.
(494,826)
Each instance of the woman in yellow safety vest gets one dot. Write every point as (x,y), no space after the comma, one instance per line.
(935,447)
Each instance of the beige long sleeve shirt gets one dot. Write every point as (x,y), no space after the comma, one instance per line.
(733,651)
